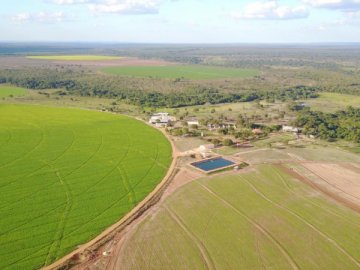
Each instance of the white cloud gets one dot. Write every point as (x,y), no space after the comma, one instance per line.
(126,6)
(46,17)
(353,15)
(21,17)
(69,2)
(271,10)
(334,4)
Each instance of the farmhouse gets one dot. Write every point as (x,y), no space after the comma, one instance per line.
(161,119)
(193,123)
(290,129)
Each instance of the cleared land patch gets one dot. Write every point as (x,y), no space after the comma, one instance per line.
(190,72)
(258,220)
(66,175)
(74,57)
(8,91)
(336,178)
(331,102)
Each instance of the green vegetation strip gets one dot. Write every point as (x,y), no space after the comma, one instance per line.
(190,72)
(259,220)
(8,91)
(74,57)
(66,175)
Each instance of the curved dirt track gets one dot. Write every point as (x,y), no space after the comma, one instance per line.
(312,226)
(203,251)
(258,226)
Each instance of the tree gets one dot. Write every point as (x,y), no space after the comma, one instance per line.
(216,142)
(243,134)
(228,142)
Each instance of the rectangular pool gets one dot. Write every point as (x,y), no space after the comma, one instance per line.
(212,164)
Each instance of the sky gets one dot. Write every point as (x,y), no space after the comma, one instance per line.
(181,21)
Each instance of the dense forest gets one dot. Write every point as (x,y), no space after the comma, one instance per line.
(340,125)
(131,91)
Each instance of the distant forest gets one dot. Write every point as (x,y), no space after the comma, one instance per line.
(287,72)
(74,83)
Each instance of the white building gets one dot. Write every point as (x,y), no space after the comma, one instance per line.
(290,129)
(161,119)
(193,123)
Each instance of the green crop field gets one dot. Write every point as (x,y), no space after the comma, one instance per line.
(74,57)
(258,220)
(180,71)
(7,91)
(66,175)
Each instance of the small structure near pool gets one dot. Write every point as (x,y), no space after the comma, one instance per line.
(211,165)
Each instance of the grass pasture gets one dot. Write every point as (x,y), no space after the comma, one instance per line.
(8,91)
(332,102)
(259,220)
(66,175)
(190,72)
(74,57)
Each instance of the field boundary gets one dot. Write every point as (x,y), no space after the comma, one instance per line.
(86,250)
(330,194)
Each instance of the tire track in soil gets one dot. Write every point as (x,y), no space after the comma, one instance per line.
(128,148)
(96,242)
(27,222)
(286,254)
(9,136)
(331,184)
(118,200)
(30,151)
(313,227)
(28,256)
(127,185)
(88,159)
(20,177)
(59,233)
(69,206)
(201,247)
(334,196)
(258,251)
(285,183)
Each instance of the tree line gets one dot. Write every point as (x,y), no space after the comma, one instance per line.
(132,91)
(344,124)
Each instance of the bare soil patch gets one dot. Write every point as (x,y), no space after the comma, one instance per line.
(338,178)
(183,177)
(325,188)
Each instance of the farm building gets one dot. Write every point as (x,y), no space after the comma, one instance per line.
(193,123)
(161,119)
(290,129)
